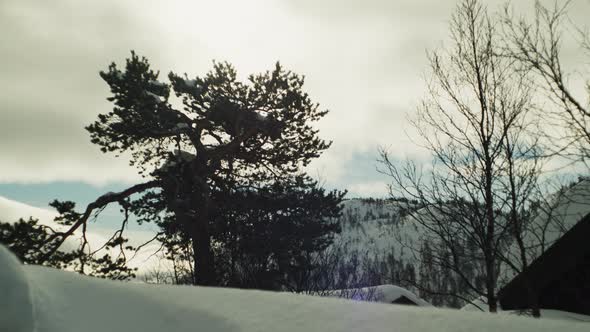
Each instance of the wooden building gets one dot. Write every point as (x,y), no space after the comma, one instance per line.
(560,277)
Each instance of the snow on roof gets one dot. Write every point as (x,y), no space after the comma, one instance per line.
(50,300)
(381,293)
(390,293)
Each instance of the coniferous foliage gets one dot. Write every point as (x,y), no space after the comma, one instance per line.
(264,238)
(268,236)
(27,240)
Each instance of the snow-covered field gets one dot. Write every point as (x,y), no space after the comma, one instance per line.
(42,299)
(479,303)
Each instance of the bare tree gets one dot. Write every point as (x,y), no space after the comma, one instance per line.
(536,46)
(473,122)
(519,184)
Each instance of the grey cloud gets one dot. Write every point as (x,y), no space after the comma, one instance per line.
(363,60)
(50,57)
(353,9)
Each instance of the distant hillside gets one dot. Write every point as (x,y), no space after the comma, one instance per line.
(375,245)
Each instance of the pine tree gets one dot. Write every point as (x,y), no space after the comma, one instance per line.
(271,235)
(228,137)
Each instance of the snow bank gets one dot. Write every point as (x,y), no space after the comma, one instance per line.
(67,302)
(558,314)
(16,309)
(480,304)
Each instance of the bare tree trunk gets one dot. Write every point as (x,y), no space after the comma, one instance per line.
(489,250)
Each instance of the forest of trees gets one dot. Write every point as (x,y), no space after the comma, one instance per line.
(224,168)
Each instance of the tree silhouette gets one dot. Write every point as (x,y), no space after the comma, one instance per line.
(196,138)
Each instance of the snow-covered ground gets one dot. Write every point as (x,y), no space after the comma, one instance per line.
(42,299)
(479,304)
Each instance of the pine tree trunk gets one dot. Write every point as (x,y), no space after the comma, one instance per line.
(204,265)
(491,297)
(203,255)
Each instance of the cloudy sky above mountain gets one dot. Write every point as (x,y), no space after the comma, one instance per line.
(364,61)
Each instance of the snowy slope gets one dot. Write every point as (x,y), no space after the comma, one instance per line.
(67,302)
(374,227)
(11,211)
(367,231)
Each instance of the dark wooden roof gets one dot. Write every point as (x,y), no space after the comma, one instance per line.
(564,256)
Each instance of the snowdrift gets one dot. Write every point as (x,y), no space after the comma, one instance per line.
(40,299)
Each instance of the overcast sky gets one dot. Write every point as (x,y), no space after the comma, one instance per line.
(364,61)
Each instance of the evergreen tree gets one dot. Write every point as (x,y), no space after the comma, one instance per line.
(229,137)
(269,237)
